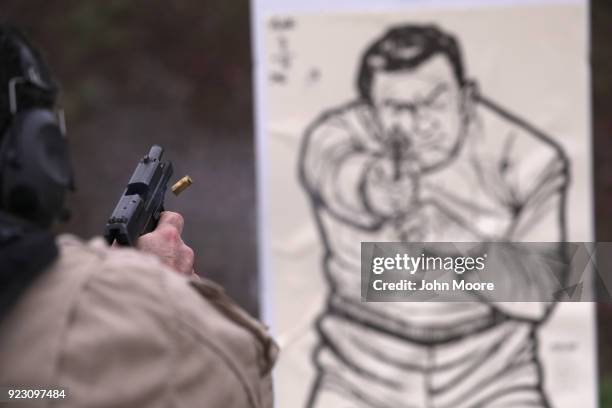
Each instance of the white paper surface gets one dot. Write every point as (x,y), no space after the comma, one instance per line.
(529,59)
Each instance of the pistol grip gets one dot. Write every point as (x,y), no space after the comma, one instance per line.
(152,224)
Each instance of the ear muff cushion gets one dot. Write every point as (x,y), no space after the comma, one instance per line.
(36,167)
(52,153)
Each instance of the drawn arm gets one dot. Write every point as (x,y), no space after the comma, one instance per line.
(332,166)
(538,186)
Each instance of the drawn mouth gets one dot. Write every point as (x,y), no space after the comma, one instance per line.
(429,142)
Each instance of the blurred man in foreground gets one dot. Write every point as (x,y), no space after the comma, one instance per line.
(113,327)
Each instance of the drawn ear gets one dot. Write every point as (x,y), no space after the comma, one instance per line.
(469,95)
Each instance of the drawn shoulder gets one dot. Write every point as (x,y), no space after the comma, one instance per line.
(352,118)
(516,141)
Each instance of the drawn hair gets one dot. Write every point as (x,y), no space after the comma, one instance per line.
(406,47)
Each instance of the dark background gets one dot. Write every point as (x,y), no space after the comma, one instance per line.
(178,74)
(601,66)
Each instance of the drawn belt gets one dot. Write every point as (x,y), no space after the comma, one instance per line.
(356,312)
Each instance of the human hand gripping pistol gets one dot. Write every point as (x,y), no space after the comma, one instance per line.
(141,204)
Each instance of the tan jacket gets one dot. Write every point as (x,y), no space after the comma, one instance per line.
(116,328)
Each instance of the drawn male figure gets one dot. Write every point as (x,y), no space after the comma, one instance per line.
(421,155)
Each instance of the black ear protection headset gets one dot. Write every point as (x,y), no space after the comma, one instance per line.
(35,166)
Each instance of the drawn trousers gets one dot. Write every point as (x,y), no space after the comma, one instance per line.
(360,367)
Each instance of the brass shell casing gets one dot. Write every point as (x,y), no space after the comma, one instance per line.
(181,185)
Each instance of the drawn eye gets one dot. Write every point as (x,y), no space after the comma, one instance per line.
(389,104)
(440,102)
(438,98)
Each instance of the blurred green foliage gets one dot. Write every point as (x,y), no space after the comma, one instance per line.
(94,25)
(605,392)
(99,49)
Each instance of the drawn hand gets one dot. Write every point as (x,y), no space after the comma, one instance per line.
(390,192)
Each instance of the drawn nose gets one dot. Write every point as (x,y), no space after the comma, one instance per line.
(402,140)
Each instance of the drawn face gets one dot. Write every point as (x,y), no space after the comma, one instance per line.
(420,111)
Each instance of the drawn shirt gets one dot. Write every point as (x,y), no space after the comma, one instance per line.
(506,182)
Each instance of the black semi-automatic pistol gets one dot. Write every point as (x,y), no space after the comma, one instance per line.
(142,202)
